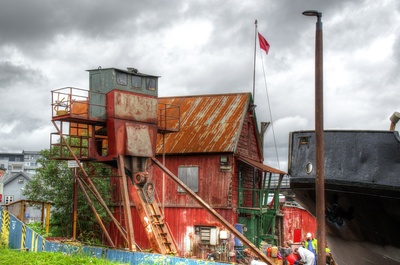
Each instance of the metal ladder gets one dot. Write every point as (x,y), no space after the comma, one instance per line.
(150,214)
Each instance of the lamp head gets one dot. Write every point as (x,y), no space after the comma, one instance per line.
(312,13)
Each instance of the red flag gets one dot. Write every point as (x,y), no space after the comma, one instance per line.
(263,43)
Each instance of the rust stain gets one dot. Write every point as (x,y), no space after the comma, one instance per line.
(209,123)
(139,140)
(130,106)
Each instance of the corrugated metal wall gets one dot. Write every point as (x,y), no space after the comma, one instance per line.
(18,236)
(297,223)
(214,184)
(182,213)
(182,222)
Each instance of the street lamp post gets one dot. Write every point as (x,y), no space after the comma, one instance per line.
(319,139)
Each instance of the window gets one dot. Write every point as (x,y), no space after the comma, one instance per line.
(122,78)
(208,234)
(17,168)
(190,176)
(136,81)
(20,181)
(151,84)
(8,199)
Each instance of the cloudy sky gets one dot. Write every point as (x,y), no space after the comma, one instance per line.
(203,47)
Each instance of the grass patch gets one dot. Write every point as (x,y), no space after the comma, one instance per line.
(12,257)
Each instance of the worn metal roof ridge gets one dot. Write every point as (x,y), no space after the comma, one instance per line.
(204,95)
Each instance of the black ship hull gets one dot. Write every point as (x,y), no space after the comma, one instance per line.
(362,191)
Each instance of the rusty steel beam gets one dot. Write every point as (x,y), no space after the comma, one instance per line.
(215,214)
(93,190)
(96,194)
(95,212)
(75,205)
(126,203)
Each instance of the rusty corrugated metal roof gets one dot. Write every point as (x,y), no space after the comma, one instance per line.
(208,123)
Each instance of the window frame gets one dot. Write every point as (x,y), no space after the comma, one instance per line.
(149,82)
(190,171)
(119,82)
(8,199)
(141,82)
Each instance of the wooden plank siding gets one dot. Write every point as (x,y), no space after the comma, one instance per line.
(248,144)
(215,186)
(182,222)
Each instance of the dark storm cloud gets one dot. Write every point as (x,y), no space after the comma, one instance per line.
(201,47)
(31,24)
(13,74)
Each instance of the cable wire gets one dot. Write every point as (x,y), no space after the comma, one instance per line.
(270,112)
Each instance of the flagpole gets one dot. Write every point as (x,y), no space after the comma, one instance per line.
(254,66)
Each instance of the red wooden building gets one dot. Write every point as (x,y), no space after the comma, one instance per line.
(210,146)
(218,154)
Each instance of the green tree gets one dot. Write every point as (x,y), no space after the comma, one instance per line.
(54,182)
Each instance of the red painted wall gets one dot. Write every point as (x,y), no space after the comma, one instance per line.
(297,223)
(182,222)
(248,144)
(182,213)
(215,185)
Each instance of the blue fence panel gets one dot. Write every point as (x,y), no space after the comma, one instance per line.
(119,256)
(51,246)
(93,251)
(40,242)
(14,240)
(153,259)
(70,249)
(30,244)
(32,240)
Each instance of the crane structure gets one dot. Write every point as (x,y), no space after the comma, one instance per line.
(116,122)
